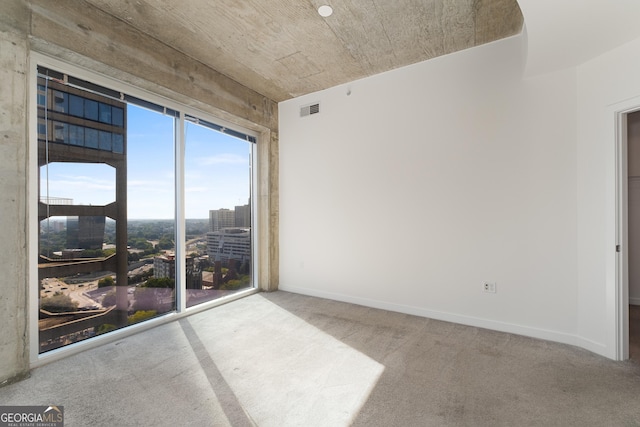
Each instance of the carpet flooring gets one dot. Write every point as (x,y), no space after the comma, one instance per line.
(282,359)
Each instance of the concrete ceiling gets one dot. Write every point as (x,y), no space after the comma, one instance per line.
(284,48)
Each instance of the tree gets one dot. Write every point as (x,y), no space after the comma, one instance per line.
(107,281)
(161,282)
(139,243)
(153,250)
(141,315)
(166,242)
(108,252)
(140,277)
(58,303)
(231,285)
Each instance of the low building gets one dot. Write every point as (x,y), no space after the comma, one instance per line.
(164,266)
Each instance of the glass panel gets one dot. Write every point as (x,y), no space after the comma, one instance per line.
(118,143)
(91,138)
(90,109)
(151,208)
(105,113)
(104,140)
(61,132)
(60,102)
(42,129)
(117,116)
(96,269)
(76,135)
(217,209)
(76,106)
(42,98)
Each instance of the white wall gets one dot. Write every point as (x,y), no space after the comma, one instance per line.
(426,181)
(606,84)
(569,32)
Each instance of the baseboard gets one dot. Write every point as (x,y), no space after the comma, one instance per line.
(594,347)
(511,328)
(634,301)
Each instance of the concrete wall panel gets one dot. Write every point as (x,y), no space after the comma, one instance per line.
(13,184)
(81,33)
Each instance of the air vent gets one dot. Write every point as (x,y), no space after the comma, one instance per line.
(307,110)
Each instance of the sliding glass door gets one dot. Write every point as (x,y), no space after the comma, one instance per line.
(108,214)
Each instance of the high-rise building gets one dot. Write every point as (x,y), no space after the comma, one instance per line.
(229,243)
(221,218)
(85,232)
(243,216)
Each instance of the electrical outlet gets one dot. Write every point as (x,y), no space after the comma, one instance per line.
(489,287)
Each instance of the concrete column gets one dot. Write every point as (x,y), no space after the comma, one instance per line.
(268,217)
(274,213)
(14,348)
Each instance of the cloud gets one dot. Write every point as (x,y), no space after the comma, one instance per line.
(223,159)
(81,189)
(196,189)
(141,183)
(81,182)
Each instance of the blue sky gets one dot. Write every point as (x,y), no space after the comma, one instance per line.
(216,171)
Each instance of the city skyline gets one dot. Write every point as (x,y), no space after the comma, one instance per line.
(216,168)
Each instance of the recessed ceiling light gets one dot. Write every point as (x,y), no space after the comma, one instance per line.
(325,10)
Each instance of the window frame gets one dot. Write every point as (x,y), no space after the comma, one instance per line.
(39,59)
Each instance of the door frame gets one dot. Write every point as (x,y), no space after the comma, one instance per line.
(621,300)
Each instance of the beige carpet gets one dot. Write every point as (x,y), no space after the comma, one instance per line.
(283,359)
